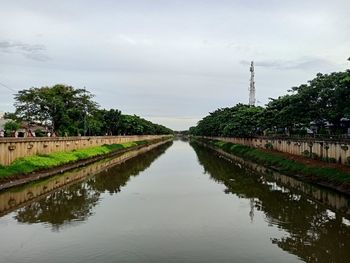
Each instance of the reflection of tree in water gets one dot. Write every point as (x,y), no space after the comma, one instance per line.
(75,203)
(113,179)
(71,204)
(315,235)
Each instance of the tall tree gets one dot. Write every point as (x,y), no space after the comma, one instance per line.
(323,100)
(112,121)
(64,107)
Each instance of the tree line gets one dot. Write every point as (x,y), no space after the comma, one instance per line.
(68,111)
(322,104)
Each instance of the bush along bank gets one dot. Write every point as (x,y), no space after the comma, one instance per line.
(37,163)
(325,176)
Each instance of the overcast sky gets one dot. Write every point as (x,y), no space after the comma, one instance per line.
(170,61)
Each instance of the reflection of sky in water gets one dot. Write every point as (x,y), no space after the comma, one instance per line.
(162,208)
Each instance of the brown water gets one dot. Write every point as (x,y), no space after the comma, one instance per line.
(175,203)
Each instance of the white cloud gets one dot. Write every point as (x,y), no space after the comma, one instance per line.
(173,58)
(127,39)
(31,51)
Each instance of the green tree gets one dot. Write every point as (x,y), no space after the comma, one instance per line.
(326,98)
(132,124)
(323,100)
(72,111)
(112,119)
(241,120)
(244,121)
(65,107)
(11,126)
(11,116)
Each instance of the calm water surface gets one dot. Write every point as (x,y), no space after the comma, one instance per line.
(176,203)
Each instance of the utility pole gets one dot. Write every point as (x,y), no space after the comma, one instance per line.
(252,85)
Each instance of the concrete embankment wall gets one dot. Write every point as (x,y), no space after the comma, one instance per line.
(340,151)
(14,148)
(11,200)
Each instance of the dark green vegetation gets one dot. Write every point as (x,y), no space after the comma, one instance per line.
(323,102)
(11,126)
(69,111)
(280,163)
(35,163)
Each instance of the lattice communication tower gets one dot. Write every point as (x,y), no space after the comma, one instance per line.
(252,85)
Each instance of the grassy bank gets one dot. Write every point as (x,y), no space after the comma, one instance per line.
(35,163)
(280,163)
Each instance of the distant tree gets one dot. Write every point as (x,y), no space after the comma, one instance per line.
(241,120)
(245,121)
(112,120)
(324,99)
(65,107)
(11,116)
(93,124)
(39,133)
(72,111)
(132,124)
(11,126)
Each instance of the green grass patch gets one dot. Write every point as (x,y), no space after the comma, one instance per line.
(44,161)
(279,162)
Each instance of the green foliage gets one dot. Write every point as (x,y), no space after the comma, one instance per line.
(306,153)
(111,121)
(269,146)
(323,99)
(238,121)
(315,156)
(39,162)
(132,124)
(143,142)
(64,106)
(332,160)
(73,112)
(11,116)
(39,133)
(275,160)
(11,126)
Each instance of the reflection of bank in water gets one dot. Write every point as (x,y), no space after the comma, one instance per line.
(15,198)
(279,182)
(314,221)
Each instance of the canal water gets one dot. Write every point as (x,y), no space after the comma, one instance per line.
(179,202)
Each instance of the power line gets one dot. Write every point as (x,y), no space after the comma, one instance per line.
(5,86)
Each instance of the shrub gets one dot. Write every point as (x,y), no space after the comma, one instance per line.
(332,160)
(269,146)
(39,133)
(306,153)
(315,156)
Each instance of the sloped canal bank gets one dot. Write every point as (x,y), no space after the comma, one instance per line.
(175,204)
